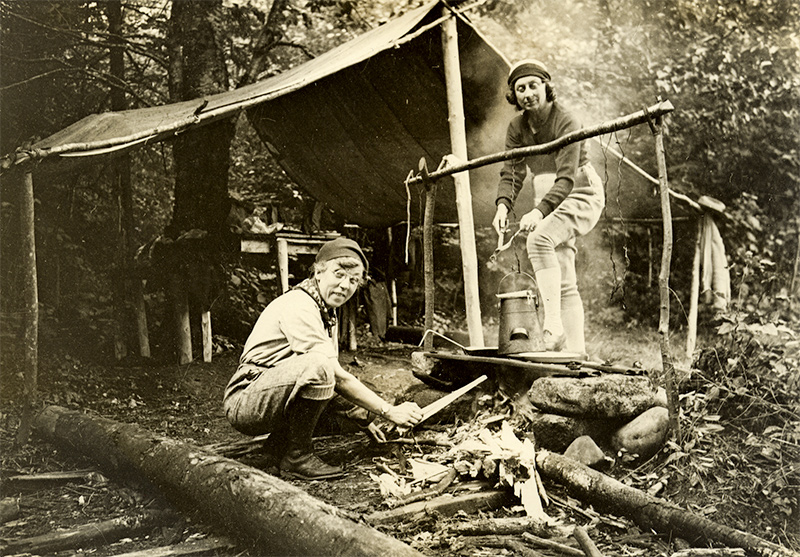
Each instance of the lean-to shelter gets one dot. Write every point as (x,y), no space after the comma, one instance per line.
(349,125)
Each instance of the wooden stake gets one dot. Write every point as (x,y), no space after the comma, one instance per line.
(663,285)
(205,319)
(427,250)
(29,295)
(458,142)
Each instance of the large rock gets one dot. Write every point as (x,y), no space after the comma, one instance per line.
(585,450)
(645,434)
(605,396)
(555,433)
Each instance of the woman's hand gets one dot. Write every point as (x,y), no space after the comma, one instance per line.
(407,414)
(531,220)
(500,221)
(375,431)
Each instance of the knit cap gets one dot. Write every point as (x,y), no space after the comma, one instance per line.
(528,67)
(341,247)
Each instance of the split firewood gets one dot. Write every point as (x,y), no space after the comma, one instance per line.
(437,489)
(606,493)
(510,526)
(550,544)
(516,547)
(273,515)
(445,505)
(90,535)
(586,543)
(188,548)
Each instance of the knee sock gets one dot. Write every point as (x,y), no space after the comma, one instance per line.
(572,320)
(549,282)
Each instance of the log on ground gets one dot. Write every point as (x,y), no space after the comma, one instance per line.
(278,518)
(89,535)
(608,494)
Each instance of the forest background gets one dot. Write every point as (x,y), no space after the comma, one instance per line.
(731,69)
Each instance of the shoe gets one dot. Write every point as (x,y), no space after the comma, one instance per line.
(553,343)
(308,466)
(299,461)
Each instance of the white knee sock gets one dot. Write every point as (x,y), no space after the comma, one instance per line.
(549,283)
(572,320)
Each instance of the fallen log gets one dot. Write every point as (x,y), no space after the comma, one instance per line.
(445,505)
(276,517)
(188,548)
(647,511)
(508,527)
(89,535)
(502,542)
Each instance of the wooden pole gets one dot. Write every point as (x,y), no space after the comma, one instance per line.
(663,284)
(427,253)
(205,325)
(180,311)
(458,142)
(694,295)
(624,122)
(29,295)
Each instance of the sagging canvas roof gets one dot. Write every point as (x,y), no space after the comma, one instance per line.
(349,125)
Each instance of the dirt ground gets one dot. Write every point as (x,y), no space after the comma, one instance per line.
(183,402)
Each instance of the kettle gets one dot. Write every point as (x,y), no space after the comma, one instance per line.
(520,329)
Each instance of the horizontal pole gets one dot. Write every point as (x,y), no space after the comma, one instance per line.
(641,117)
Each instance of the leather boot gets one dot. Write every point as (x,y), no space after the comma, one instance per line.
(300,462)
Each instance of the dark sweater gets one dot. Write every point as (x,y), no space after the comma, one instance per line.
(564,162)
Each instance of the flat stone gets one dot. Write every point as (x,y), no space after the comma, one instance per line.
(604,396)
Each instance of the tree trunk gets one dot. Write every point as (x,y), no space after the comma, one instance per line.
(202,155)
(277,517)
(611,495)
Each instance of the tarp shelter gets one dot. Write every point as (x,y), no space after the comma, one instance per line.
(349,125)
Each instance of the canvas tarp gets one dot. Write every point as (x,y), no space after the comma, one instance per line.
(349,125)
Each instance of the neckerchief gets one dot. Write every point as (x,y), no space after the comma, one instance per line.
(328,314)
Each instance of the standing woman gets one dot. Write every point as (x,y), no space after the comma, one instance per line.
(570,209)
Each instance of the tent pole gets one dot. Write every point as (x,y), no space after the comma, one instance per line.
(30,298)
(458,142)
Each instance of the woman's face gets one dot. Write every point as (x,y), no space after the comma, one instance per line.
(530,92)
(337,285)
